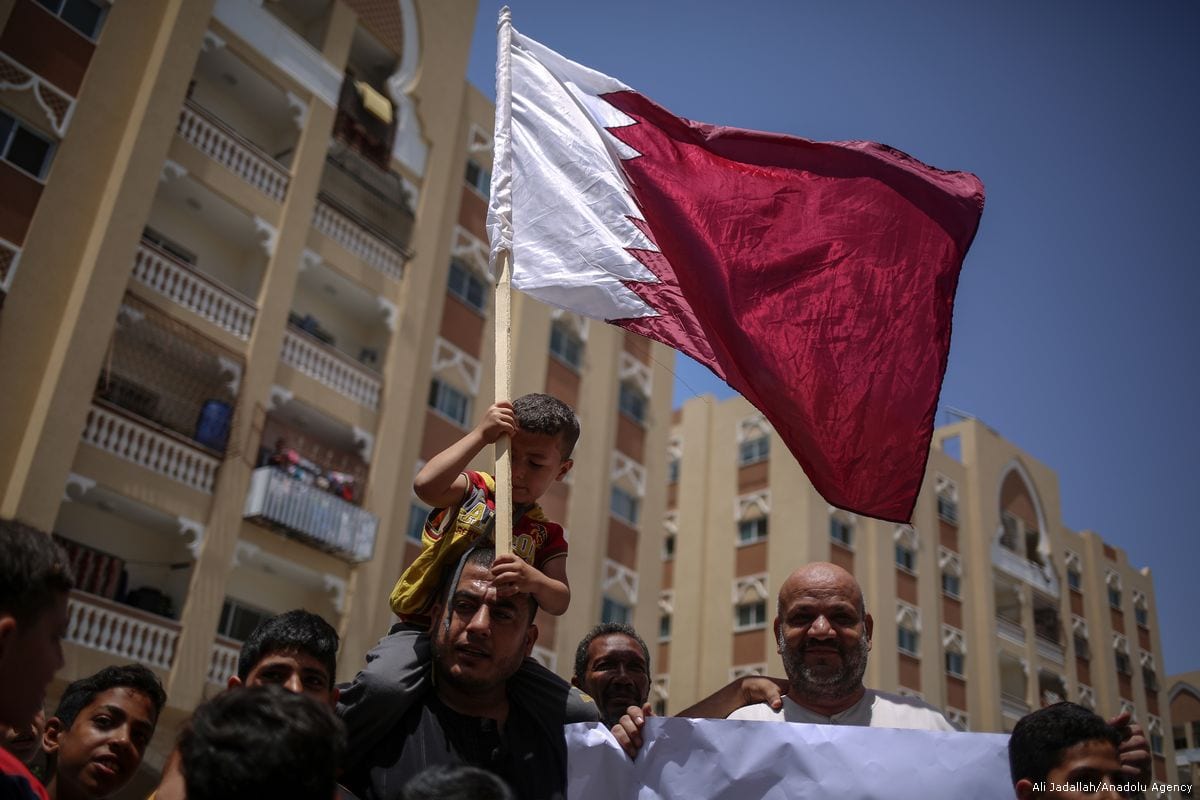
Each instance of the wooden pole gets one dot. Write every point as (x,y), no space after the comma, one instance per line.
(503,317)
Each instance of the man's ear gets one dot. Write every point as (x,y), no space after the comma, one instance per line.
(778,636)
(52,735)
(8,632)
(869,625)
(334,694)
(234,682)
(435,618)
(1024,789)
(575,681)
(531,634)
(563,469)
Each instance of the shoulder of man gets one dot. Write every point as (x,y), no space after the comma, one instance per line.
(901,711)
(16,781)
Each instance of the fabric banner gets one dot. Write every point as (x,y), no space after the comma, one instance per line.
(815,278)
(687,759)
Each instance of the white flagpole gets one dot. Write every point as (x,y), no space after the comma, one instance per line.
(503,311)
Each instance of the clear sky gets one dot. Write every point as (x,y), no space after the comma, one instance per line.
(1076,331)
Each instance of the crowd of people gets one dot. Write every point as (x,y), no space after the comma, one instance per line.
(450,704)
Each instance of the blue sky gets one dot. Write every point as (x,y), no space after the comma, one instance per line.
(1075,329)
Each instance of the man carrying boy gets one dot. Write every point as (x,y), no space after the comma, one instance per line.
(543,431)
(1065,751)
(97,738)
(34,584)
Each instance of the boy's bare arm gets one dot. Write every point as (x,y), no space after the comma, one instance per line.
(440,482)
(512,574)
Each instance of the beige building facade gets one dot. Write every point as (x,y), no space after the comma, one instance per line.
(1183,695)
(243,275)
(987,606)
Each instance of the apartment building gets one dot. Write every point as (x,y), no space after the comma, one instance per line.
(1184,697)
(986,606)
(243,276)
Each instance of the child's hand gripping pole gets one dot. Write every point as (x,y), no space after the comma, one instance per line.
(504,510)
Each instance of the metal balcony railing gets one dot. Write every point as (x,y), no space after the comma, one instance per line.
(311,514)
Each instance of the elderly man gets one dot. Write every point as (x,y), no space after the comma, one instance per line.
(824,635)
(479,640)
(612,664)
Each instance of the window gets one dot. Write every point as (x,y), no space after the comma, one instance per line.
(664,627)
(239,621)
(752,451)
(947,509)
(23,147)
(84,16)
(841,531)
(1082,651)
(1114,598)
(623,505)
(1156,743)
(673,471)
(612,611)
(752,615)
(566,346)
(632,402)
(1180,734)
(1074,579)
(478,178)
(752,530)
(449,402)
(1008,539)
(417,515)
(1123,664)
(1142,616)
(660,708)
(956,663)
(906,558)
(466,285)
(668,550)
(909,640)
(1149,679)
(951,584)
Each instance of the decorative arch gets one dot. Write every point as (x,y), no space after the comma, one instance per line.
(1015,470)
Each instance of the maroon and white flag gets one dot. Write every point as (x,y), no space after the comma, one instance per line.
(815,278)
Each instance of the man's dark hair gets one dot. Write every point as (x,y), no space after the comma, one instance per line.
(604,629)
(292,631)
(541,413)
(457,782)
(79,694)
(33,571)
(261,741)
(480,557)
(1039,739)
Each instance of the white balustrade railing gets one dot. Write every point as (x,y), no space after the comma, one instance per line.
(311,514)
(374,250)
(1051,651)
(193,291)
(213,138)
(222,665)
(331,369)
(1012,631)
(124,632)
(134,441)
(1013,706)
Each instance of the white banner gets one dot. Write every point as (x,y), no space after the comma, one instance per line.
(732,760)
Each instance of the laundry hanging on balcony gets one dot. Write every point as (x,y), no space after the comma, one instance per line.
(375,103)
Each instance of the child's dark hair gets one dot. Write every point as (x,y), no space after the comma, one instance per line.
(541,413)
(261,741)
(292,631)
(456,782)
(79,694)
(33,571)
(1039,739)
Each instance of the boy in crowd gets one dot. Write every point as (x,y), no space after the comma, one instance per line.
(1065,751)
(296,650)
(97,738)
(257,742)
(543,433)
(34,584)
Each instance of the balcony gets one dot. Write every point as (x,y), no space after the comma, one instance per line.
(359,237)
(373,196)
(311,514)
(327,366)
(1012,706)
(122,631)
(223,662)
(176,280)
(224,145)
(1036,575)
(1050,650)
(151,447)
(1010,631)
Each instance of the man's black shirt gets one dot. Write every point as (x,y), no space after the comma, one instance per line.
(528,754)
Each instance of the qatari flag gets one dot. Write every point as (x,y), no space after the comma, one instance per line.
(815,278)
